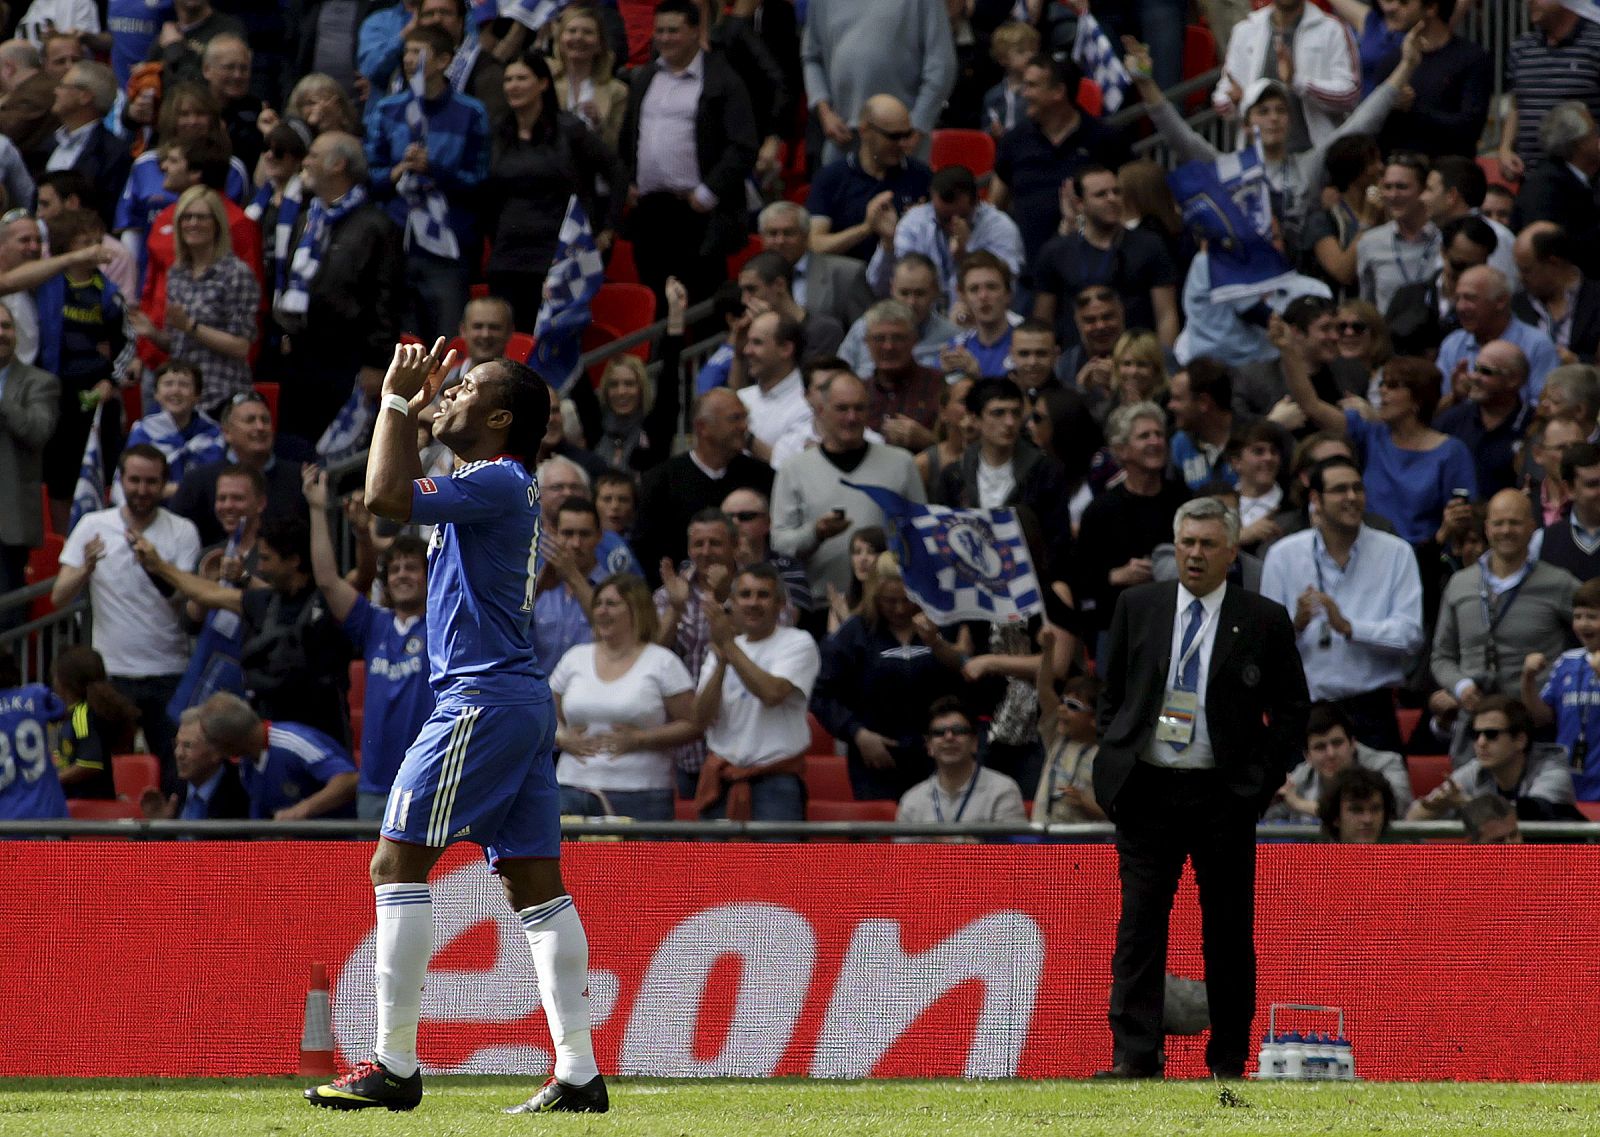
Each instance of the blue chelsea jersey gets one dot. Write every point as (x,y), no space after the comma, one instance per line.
(482,565)
(29,788)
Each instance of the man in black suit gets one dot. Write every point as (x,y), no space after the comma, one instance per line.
(210,789)
(1556,297)
(1561,186)
(688,142)
(83,143)
(1201,719)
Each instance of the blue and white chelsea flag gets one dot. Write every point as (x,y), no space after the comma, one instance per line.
(960,564)
(532,14)
(1093,51)
(569,286)
(1227,203)
(89,494)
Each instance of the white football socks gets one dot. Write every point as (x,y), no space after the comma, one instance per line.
(404,945)
(561,962)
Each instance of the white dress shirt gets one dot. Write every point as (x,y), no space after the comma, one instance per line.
(69,144)
(668,160)
(774,413)
(1198,754)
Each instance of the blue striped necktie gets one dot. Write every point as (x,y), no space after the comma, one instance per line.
(1189,676)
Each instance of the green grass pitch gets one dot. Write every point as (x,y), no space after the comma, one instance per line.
(470,1107)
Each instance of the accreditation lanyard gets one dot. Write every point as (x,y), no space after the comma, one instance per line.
(1194,646)
(1580,746)
(1318,549)
(938,810)
(1492,618)
(1429,250)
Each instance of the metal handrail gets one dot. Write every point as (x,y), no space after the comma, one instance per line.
(614,828)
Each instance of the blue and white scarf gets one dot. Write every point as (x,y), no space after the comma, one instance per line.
(462,63)
(294,295)
(428,216)
(351,429)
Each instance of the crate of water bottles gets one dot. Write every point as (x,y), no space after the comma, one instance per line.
(1306,1056)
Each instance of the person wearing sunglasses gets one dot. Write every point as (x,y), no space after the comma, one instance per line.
(1483,305)
(960,789)
(1493,418)
(1068,733)
(1533,776)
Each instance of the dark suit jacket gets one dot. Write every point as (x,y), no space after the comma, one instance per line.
(29,408)
(27,119)
(229,801)
(1585,341)
(1552,192)
(1256,696)
(725,146)
(105,161)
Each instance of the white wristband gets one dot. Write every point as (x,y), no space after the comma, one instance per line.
(397,403)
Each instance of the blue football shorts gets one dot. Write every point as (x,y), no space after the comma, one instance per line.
(484,774)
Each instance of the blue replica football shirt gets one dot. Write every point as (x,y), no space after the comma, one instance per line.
(298,761)
(1572,692)
(482,567)
(29,788)
(398,699)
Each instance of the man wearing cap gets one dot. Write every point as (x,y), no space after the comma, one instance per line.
(1295,175)
(1306,50)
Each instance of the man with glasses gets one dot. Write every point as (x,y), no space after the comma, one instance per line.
(82,142)
(1356,598)
(1534,777)
(960,790)
(916,285)
(880,176)
(225,66)
(1493,418)
(903,395)
(1033,163)
(751,514)
(1483,305)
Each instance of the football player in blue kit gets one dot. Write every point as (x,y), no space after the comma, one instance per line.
(481,769)
(29,788)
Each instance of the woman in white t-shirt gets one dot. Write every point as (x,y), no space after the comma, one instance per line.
(622,704)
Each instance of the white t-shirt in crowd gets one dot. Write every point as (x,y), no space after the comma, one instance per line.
(136,629)
(637,699)
(995,484)
(745,732)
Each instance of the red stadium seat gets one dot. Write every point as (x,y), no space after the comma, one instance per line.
(973,149)
(850,810)
(1199,56)
(95,809)
(598,335)
(625,307)
(1427,772)
(828,778)
(1408,718)
(132,405)
(1091,99)
(1492,170)
(519,347)
(357,702)
(269,395)
(798,193)
(43,563)
(132,774)
(821,741)
(736,261)
(622,268)
(44,504)
(683,810)
(1590,810)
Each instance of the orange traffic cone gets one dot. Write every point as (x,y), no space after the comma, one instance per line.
(316,1037)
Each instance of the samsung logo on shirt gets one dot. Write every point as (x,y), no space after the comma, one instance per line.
(390,670)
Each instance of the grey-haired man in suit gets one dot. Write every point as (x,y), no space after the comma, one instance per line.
(1201,718)
(30,400)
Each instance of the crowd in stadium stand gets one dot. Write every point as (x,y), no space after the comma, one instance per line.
(934,264)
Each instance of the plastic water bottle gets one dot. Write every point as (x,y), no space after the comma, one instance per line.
(1294,1056)
(1270,1059)
(1347,1059)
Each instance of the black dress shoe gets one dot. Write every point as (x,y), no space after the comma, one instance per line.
(1127,1071)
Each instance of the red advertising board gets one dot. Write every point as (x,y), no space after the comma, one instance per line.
(879,960)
